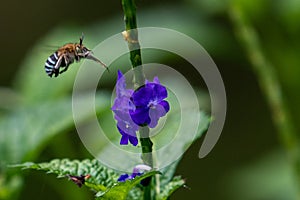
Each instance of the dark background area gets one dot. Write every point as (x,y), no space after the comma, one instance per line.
(25,22)
(249,133)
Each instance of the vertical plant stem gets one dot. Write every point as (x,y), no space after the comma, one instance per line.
(146,144)
(270,85)
(131,36)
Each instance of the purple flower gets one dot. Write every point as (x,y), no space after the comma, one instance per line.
(121,107)
(125,177)
(141,107)
(149,103)
(137,171)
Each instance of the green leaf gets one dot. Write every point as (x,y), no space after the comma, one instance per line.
(135,193)
(121,189)
(102,180)
(101,177)
(166,191)
(26,130)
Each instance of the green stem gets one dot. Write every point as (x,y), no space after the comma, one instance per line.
(269,83)
(146,144)
(131,36)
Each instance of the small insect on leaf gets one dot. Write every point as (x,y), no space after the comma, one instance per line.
(79,180)
(61,59)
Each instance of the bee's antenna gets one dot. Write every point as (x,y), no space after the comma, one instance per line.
(81,39)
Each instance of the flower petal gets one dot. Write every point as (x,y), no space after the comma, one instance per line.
(154,116)
(133,175)
(156,80)
(138,170)
(166,105)
(124,138)
(122,106)
(159,91)
(157,112)
(131,136)
(121,84)
(120,75)
(123,177)
(128,127)
(140,116)
(142,95)
(141,168)
(141,107)
(133,140)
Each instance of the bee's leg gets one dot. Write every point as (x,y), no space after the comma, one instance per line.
(62,71)
(77,56)
(67,64)
(57,66)
(65,69)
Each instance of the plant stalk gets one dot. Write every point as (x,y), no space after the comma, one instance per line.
(270,85)
(131,36)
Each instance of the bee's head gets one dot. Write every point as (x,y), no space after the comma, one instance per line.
(80,48)
(85,52)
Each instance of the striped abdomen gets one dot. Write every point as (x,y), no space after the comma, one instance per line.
(50,65)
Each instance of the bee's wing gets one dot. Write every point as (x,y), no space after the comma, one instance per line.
(49,47)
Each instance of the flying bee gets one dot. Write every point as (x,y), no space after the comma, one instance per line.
(65,55)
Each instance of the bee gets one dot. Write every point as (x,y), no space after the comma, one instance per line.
(65,55)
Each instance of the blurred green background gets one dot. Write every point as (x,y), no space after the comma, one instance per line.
(250,160)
